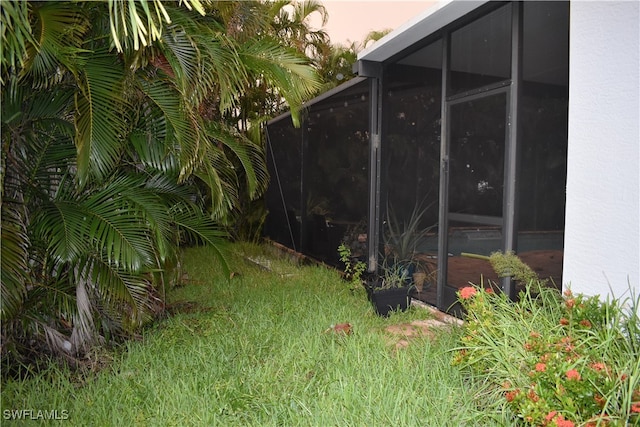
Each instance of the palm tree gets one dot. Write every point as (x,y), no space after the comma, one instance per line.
(108,159)
(291,24)
(374,36)
(335,64)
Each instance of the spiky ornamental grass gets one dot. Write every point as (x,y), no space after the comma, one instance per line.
(253,351)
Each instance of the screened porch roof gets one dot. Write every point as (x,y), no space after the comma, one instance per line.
(442,13)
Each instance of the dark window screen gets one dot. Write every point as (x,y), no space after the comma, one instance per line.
(481,52)
(284,157)
(476,157)
(544,117)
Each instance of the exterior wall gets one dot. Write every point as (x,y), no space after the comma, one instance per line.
(602,234)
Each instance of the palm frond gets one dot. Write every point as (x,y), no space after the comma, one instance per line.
(16,35)
(59,30)
(100,118)
(117,228)
(250,156)
(204,59)
(202,229)
(222,182)
(183,55)
(59,224)
(14,256)
(282,68)
(116,289)
(136,24)
(180,125)
(151,206)
(151,153)
(128,27)
(170,191)
(223,73)
(104,165)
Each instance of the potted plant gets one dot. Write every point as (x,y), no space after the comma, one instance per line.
(402,237)
(390,290)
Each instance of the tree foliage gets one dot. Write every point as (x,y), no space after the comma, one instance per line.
(115,152)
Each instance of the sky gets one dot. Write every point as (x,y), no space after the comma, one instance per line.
(352,20)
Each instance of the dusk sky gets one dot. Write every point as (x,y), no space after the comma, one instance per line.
(354,19)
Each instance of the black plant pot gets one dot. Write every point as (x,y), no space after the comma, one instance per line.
(386,300)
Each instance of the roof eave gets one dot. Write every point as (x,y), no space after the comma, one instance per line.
(421,26)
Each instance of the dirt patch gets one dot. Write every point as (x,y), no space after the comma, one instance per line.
(402,334)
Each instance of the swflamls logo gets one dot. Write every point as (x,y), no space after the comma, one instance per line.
(35,414)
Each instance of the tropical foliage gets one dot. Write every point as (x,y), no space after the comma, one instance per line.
(115,152)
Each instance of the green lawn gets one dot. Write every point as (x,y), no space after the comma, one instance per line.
(254,351)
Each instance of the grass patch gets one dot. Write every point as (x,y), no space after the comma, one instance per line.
(254,350)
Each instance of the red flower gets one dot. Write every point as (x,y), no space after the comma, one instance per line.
(598,366)
(490,291)
(551,415)
(467,292)
(585,323)
(564,321)
(561,422)
(558,419)
(541,367)
(635,407)
(510,395)
(570,303)
(567,293)
(533,396)
(572,375)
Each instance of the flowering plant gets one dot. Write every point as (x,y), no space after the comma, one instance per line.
(553,359)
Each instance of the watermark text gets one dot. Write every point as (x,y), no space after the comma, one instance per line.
(35,414)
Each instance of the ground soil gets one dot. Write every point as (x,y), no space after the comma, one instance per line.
(400,335)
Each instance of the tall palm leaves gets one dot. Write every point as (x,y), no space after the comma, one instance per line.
(291,23)
(16,35)
(140,23)
(108,158)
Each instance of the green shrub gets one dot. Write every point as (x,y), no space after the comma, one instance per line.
(353,269)
(553,359)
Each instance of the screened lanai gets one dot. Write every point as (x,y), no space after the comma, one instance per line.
(318,196)
(459,123)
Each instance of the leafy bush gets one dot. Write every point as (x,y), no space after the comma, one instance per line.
(554,359)
(353,269)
